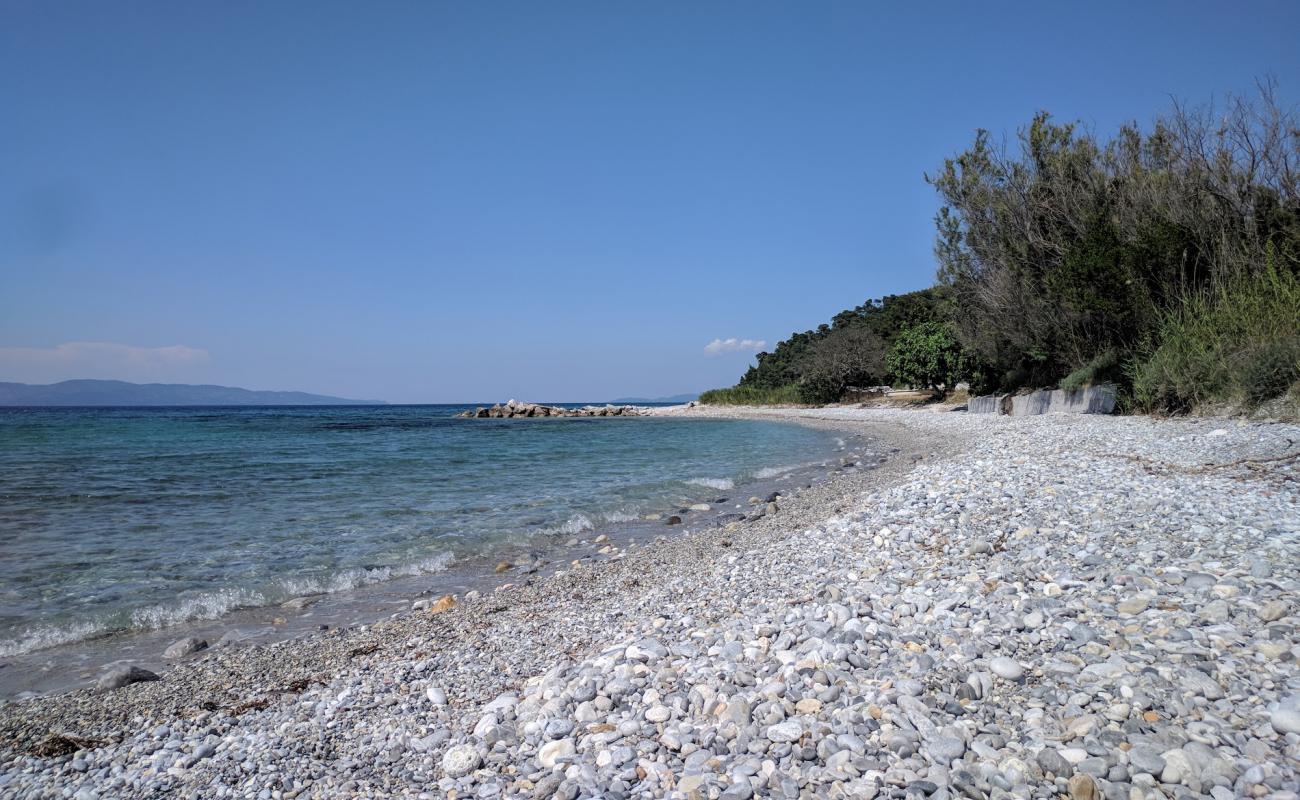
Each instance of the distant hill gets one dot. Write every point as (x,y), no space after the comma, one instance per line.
(676,398)
(121,393)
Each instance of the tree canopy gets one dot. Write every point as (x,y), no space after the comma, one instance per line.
(848,351)
(1165,258)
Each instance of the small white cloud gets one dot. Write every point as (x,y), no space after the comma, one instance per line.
(733,345)
(99,360)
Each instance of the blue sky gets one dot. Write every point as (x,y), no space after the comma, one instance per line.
(429,202)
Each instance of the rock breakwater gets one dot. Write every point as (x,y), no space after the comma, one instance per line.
(514,408)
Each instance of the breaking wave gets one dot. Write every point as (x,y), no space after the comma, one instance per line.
(620,516)
(578,523)
(40,637)
(713,483)
(774,472)
(216,604)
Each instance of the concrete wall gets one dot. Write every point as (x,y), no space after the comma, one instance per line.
(1089,400)
(1028,405)
(988,404)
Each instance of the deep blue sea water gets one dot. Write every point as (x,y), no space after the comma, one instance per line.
(119,519)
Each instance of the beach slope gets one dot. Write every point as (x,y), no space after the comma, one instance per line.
(982,607)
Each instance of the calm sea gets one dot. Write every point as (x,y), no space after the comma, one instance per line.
(120,519)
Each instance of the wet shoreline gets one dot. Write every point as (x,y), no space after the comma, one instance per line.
(73,665)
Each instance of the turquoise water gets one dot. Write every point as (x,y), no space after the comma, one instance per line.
(118,519)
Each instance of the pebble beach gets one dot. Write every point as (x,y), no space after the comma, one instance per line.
(970,606)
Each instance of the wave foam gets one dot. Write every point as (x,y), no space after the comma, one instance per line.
(713,483)
(577,524)
(773,472)
(214,605)
(208,605)
(43,636)
(350,579)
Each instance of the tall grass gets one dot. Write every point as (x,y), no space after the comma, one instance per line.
(1236,346)
(752,396)
(1103,367)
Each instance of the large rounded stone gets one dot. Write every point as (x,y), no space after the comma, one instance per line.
(785,732)
(1007,668)
(460,760)
(184,647)
(944,749)
(125,676)
(658,713)
(1053,762)
(1285,720)
(551,752)
(1083,787)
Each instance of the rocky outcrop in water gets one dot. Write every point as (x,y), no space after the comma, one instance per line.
(514,408)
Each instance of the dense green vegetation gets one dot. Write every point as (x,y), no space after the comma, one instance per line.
(1080,259)
(928,356)
(1238,345)
(818,365)
(1165,260)
(752,396)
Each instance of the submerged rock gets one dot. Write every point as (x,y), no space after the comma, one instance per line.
(300,603)
(184,647)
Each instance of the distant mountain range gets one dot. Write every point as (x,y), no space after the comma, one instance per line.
(121,393)
(676,398)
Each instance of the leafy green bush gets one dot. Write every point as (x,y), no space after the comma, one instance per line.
(928,356)
(752,396)
(1239,345)
(816,390)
